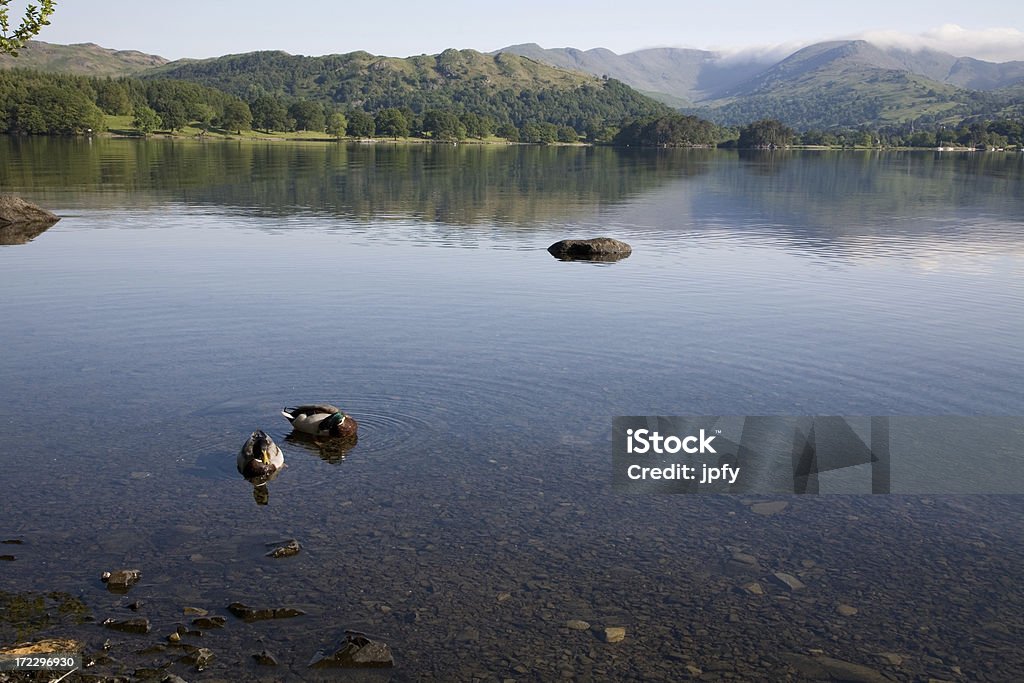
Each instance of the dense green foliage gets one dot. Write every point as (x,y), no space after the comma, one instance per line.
(60,104)
(50,104)
(35,18)
(972,133)
(765,134)
(673,130)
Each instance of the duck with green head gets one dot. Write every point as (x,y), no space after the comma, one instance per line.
(322,420)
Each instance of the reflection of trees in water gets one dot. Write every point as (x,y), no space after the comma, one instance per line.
(824,200)
(821,198)
(452,184)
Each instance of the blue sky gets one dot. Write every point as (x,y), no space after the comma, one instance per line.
(992,29)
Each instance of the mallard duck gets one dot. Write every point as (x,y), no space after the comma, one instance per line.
(260,458)
(321,420)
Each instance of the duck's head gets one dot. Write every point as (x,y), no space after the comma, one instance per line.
(262,447)
(342,425)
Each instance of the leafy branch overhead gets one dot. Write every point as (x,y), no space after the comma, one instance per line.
(36,17)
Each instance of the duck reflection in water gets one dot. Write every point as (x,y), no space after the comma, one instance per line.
(329,450)
(260,461)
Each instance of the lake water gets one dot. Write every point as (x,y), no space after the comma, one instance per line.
(190,291)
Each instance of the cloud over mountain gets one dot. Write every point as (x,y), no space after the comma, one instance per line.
(990,44)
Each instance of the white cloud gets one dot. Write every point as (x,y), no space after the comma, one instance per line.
(990,44)
(767,54)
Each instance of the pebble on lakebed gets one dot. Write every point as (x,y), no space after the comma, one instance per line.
(613,634)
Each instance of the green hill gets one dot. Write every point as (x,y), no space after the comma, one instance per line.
(507,87)
(86,59)
(849,83)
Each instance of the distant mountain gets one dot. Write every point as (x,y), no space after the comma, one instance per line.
(671,75)
(979,75)
(87,59)
(508,87)
(835,83)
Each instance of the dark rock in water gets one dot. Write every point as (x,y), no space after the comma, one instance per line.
(209,622)
(136,625)
(292,547)
(358,651)
(134,606)
(247,613)
(121,580)
(596,249)
(7,558)
(265,659)
(21,222)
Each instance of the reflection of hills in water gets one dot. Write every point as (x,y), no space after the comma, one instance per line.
(454,185)
(850,203)
(828,203)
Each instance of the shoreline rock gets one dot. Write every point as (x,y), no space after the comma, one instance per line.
(16,211)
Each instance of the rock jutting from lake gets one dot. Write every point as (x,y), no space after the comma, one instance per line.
(595,249)
(17,211)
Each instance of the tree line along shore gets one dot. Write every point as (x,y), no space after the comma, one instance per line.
(38,103)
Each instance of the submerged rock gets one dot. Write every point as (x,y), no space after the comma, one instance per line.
(209,622)
(788,581)
(289,549)
(829,669)
(264,658)
(596,249)
(358,651)
(247,613)
(201,658)
(769,508)
(121,580)
(136,625)
(613,634)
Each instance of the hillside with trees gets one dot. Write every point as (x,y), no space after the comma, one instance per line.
(509,89)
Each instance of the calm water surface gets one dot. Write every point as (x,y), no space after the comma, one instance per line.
(192,290)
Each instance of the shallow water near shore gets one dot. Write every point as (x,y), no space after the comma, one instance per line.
(191,291)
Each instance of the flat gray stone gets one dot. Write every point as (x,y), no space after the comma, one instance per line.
(788,581)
